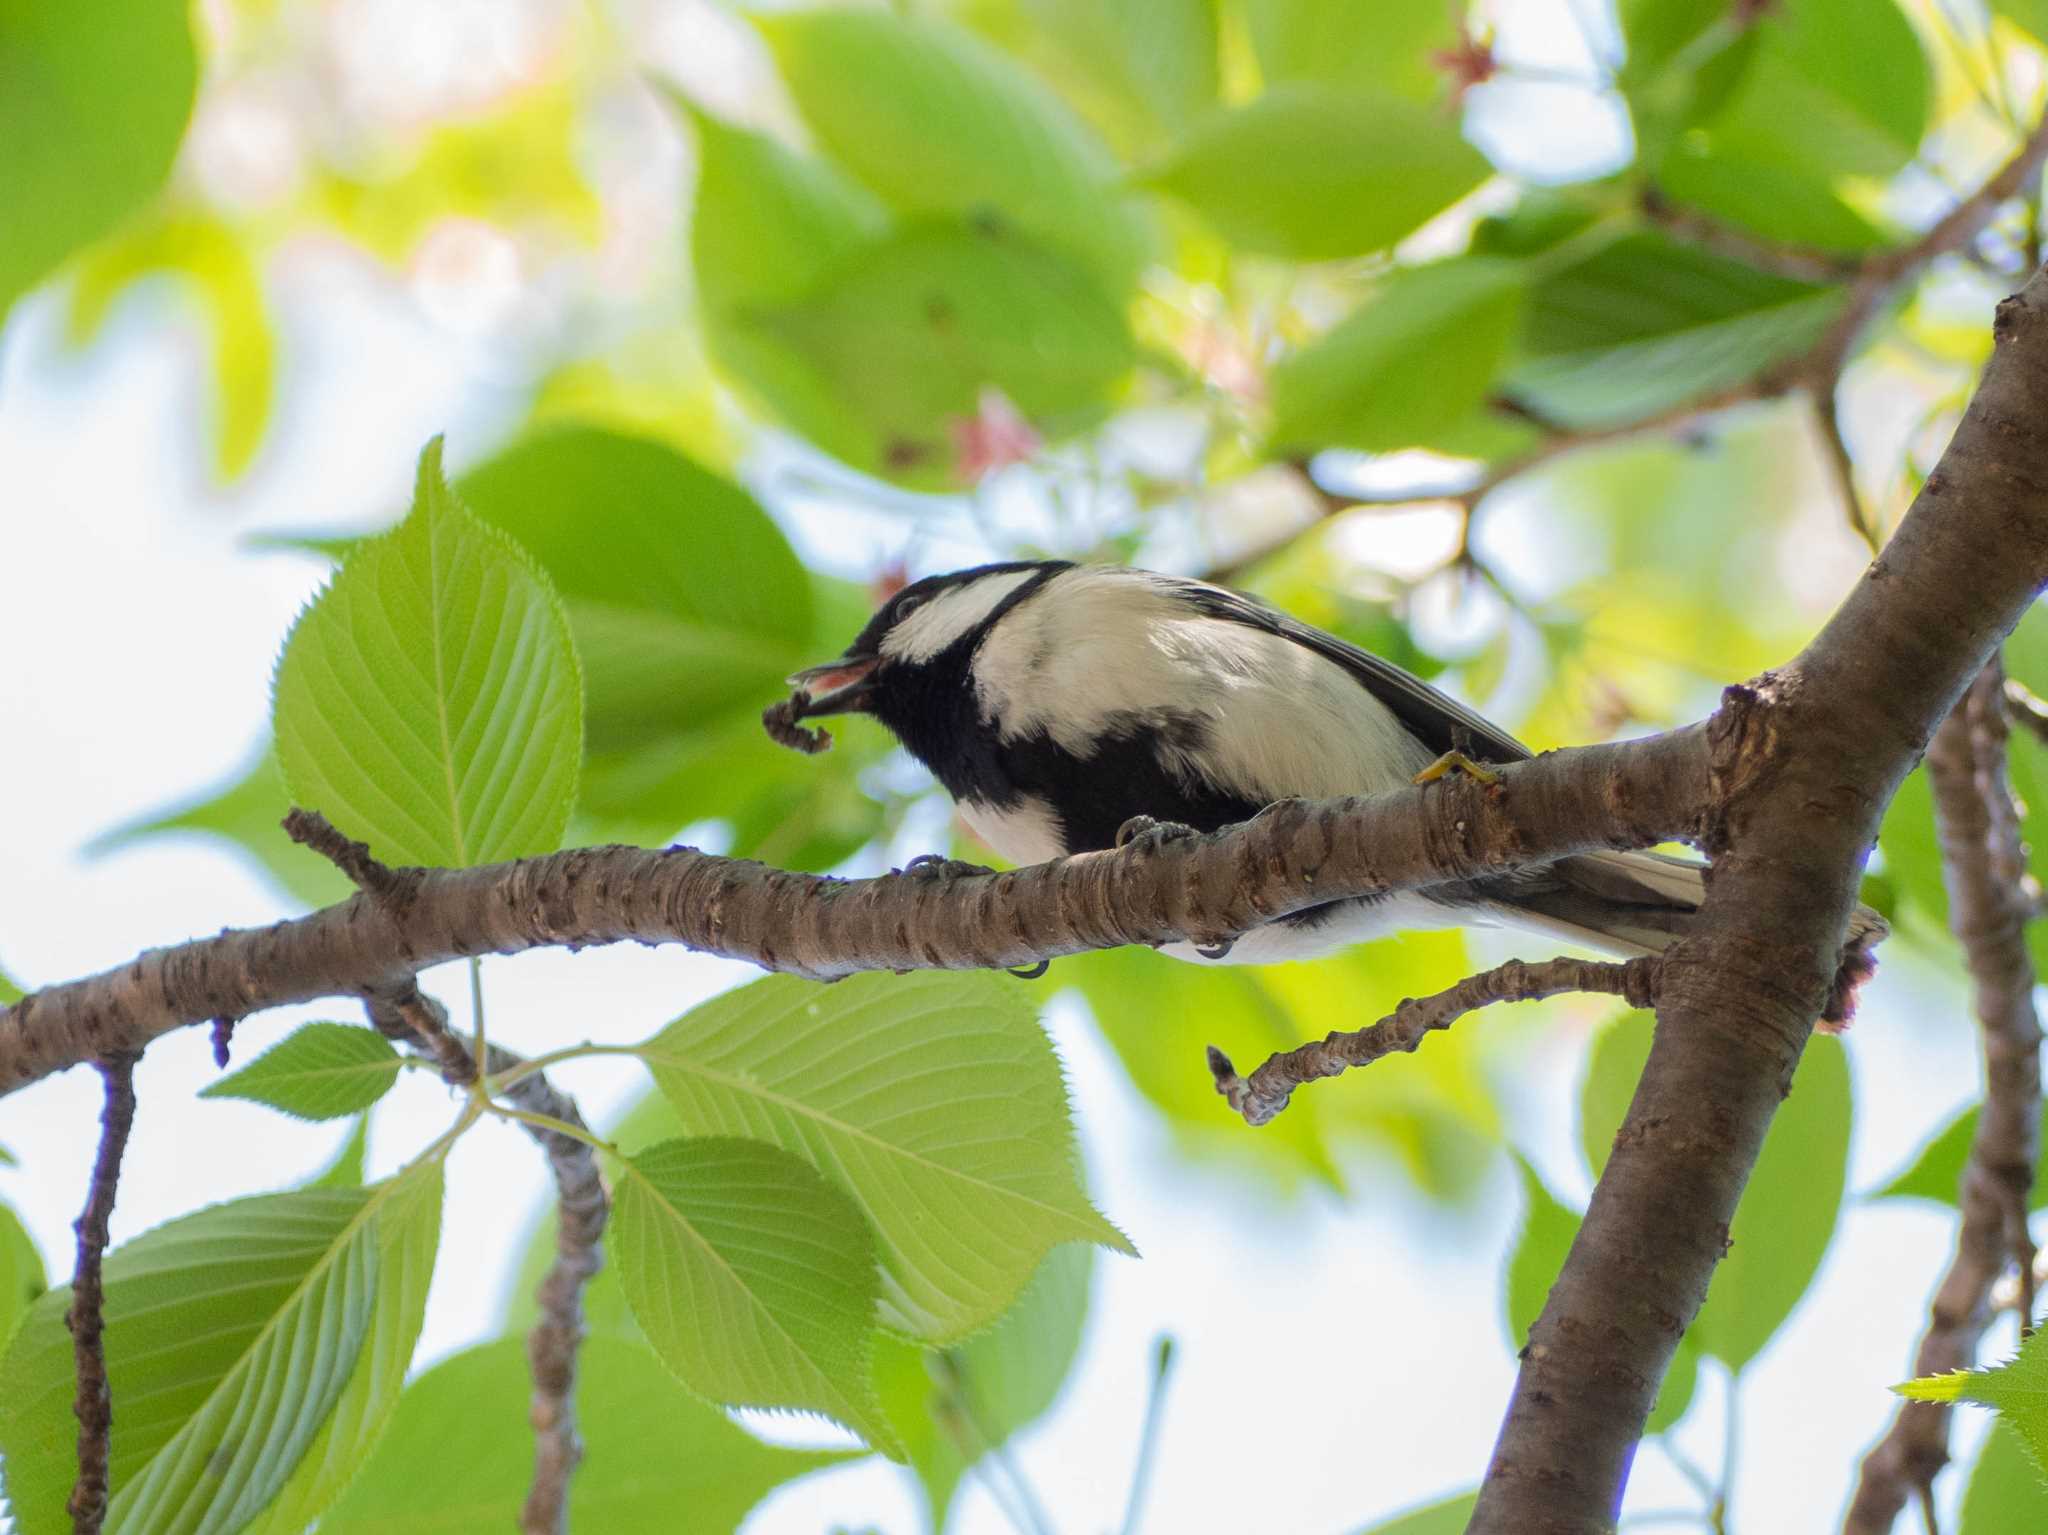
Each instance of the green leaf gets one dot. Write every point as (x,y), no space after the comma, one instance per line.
(1548,1230)
(1685,57)
(1446,1518)
(22,1278)
(1782,204)
(1389,46)
(1787,1216)
(459,1455)
(753,1278)
(230,1336)
(934,1099)
(1143,68)
(1646,324)
(688,603)
(1936,1171)
(1313,173)
(408,1222)
(1354,387)
(973,1398)
(2006,1490)
(907,333)
(247,812)
(320,1071)
(10,990)
(95,106)
(2017,1389)
(936,122)
(1832,88)
(428,701)
(2028,15)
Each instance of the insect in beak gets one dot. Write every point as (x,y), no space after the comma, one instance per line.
(837,687)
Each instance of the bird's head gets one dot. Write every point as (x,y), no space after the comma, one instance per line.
(918,647)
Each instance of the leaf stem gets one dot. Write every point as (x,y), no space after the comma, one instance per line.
(549,1123)
(1148,1437)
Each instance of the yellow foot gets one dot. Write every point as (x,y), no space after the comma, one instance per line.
(1456,762)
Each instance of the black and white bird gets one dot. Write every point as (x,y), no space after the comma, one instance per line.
(1055,702)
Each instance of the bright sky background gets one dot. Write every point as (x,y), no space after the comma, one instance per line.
(1337,1360)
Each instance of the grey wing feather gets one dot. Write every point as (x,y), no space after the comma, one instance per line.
(1440,722)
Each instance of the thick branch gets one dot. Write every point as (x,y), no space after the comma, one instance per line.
(1265,1092)
(1983,864)
(1298,854)
(94,1404)
(1804,762)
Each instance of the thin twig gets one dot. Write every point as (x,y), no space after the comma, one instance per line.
(1265,1092)
(1829,418)
(2027,708)
(94,1403)
(1983,859)
(1148,1436)
(311,829)
(1801,263)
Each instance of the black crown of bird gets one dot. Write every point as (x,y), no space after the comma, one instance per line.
(1060,704)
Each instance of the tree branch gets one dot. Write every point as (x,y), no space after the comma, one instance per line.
(1983,860)
(93,1405)
(1265,1092)
(1298,854)
(1804,761)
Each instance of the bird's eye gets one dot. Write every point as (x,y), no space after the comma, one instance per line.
(908,604)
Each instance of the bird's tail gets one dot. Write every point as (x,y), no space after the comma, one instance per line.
(1634,904)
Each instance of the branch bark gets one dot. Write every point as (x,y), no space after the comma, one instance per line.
(1804,761)
(1983,864)
(93,1405)
(1298,854)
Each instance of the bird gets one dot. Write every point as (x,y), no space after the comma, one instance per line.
(1063,705)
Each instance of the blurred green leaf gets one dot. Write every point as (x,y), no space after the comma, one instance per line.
(940,124)
(248,812)
(1685,57)
(318,1071)
(10,991)
(1313,173)
(97,97)
(1783,204)
(1832,88)
(980,1129)
(1646,324)
(1936,1171)
(2017,1389)
(1446,1518)
(1548,1229)
(952,1406)
(213,260)
(1355,386)
(428,702)
(2006,1490)
(226,1385)
(22,1278)
(752,1277)
(1142,70)
(1786,1220)
(1391,46)
(459,1456)
(408,1228)
(689,602)
(2029,15)
(908,332)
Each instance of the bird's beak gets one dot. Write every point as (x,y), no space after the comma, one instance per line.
(837,687)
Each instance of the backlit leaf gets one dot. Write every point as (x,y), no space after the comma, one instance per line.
(95,106)
(459,1454)
(751,1276)
(428,701)
(21,1272)
(2018,1389)
(1312,173)
(938,123)
(1782,204)
(318,1071)
(1389,46)
(226,1370)
(1936,1171)
(2006,1491)
(1355,386)
(934,1099)
(1446,1518)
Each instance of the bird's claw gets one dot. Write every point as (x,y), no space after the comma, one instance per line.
(1146,831)
(939,866)
(1030,972)
(1456,762)
(1220,949)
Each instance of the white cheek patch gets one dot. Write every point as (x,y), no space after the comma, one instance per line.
(950,616)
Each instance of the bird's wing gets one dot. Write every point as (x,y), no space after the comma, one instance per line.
(1440,722)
